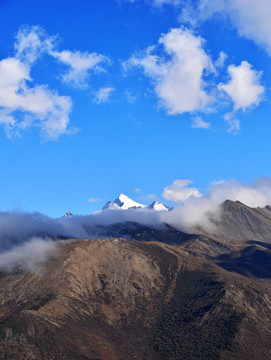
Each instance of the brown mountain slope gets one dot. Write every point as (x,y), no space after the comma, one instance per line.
(121,299)
(240,222)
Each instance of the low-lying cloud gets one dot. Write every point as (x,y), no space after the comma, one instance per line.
(27,239)
(197,211)
(28,256)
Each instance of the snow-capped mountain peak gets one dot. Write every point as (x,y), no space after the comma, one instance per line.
(123,202)
(158,206)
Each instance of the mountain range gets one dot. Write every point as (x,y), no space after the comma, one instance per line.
(123,202)
(148,293)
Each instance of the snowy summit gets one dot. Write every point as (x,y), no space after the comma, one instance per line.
(123,202)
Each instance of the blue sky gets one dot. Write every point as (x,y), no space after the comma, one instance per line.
(103,97)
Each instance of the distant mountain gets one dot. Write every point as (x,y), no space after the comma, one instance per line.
(140,292)
(238,221)
(68,213)
(123,202)
(158,206)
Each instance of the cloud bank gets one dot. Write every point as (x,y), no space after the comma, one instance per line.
(28,256)
(196,210)
(26,239)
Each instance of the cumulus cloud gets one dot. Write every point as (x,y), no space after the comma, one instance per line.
(180,191)
(22,102)
(244,86)
(249,17)
(37,105)
(199,123)
(28,256)
(80,64)
(178,75)
(103,95)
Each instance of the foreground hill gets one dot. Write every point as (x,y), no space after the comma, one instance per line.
(122,299)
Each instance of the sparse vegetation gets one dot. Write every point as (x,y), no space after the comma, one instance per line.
(194,324)
(18,327)
(44,348)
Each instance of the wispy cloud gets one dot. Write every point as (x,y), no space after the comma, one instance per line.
(103,95)
(156,3)
(198,123)
(80,65)
(94,199)
(148,197)
(137,190)
(29,255)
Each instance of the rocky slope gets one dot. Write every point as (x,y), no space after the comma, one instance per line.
(122,299)
(146,293)
(238,221)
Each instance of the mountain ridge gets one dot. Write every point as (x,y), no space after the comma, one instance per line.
(123,202)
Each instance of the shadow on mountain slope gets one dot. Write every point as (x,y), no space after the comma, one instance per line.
(250,261)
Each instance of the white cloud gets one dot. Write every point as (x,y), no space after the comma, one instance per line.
(23,103)
(177,76)
(94,199)
(29,255)
(37,104)
(31,42)
(165,2)
(180,192)
(251,18)
(198,123)
(80,64)
(196,210)
(234,124)
(103,95)
(219,63)
(148,197)
(244,87)
(129,97)
(157,3)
